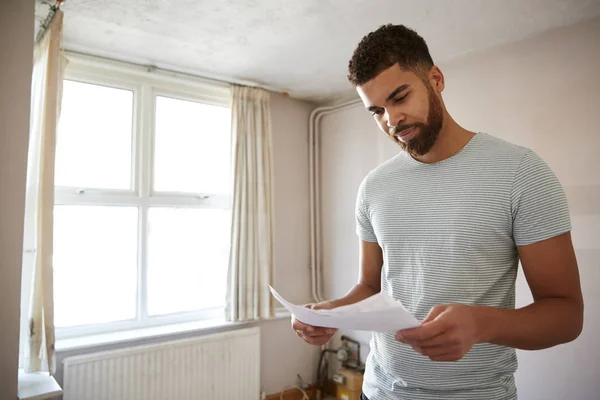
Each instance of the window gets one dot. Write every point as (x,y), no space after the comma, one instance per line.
(142,200)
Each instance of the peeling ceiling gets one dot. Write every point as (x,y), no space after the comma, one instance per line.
(298,46)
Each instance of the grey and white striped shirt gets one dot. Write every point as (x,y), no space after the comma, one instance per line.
(449,232)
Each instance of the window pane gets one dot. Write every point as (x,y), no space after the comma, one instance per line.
(192,146)
(188,253)
(95,264)
(94,138)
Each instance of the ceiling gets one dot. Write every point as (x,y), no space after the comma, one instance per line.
(297,46)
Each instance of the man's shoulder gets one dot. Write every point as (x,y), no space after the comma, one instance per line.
(382,171)
(499,148)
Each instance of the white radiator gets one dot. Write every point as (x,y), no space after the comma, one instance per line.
(224,366)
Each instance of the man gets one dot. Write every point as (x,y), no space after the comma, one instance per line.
(442,228)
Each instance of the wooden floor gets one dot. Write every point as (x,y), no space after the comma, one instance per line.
(295,394)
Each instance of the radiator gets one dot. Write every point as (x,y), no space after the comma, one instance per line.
(224,366)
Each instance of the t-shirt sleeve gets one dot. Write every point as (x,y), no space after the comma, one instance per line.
(364,228)
(539,206)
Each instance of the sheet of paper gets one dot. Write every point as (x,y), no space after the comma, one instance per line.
(378,313)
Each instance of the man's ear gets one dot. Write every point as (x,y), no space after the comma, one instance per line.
(436,79)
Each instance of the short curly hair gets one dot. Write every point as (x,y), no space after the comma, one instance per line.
(388,45)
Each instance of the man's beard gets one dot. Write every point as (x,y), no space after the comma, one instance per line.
(427,133)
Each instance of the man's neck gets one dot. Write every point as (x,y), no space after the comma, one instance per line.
(451,140)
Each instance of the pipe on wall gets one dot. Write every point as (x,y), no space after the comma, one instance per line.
(314,193)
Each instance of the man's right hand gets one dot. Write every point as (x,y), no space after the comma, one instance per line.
(369,283)
(315,335)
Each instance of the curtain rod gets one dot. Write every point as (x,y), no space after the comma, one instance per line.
(55,7)
(48,20)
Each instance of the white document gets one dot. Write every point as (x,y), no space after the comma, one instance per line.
(378,313)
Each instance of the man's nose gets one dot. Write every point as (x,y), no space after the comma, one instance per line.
(393,119)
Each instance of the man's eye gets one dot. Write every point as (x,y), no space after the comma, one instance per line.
(376,112)
(400,99)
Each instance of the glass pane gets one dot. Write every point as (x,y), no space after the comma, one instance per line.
(192,147)
(94,138)
(188,253)
(95,264)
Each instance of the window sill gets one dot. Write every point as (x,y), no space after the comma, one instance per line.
(37,386)
(205,326)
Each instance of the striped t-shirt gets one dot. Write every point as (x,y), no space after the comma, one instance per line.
(449,232)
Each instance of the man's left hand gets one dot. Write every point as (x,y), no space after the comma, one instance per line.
(446,334)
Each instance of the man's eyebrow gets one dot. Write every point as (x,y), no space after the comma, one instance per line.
(396,91)
(390,97)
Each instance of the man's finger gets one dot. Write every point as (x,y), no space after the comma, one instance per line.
(319,332)
(426,331)
(312,330)
(298,325)
(326,305)
(433,313)
(453,356)
(318,341)
(437,351)
(444,339)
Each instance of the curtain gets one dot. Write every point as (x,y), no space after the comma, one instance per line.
(46,95)
(251,258)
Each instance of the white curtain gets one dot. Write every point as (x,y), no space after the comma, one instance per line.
(46,95)
(251,258)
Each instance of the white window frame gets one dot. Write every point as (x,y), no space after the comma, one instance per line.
(146,83)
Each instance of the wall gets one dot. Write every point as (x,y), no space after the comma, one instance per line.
(290,157)
(283,354)
(16,47)
(542,93)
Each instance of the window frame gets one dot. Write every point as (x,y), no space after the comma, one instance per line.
(146,83)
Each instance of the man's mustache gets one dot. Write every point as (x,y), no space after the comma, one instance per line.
(400,128)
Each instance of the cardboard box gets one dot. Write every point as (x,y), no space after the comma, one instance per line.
(352,386)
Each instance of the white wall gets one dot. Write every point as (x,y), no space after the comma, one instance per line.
(290,157)
(543,93)
(16,48)
(283,354)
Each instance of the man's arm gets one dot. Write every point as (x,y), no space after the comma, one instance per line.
(555,317)
(369,276)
